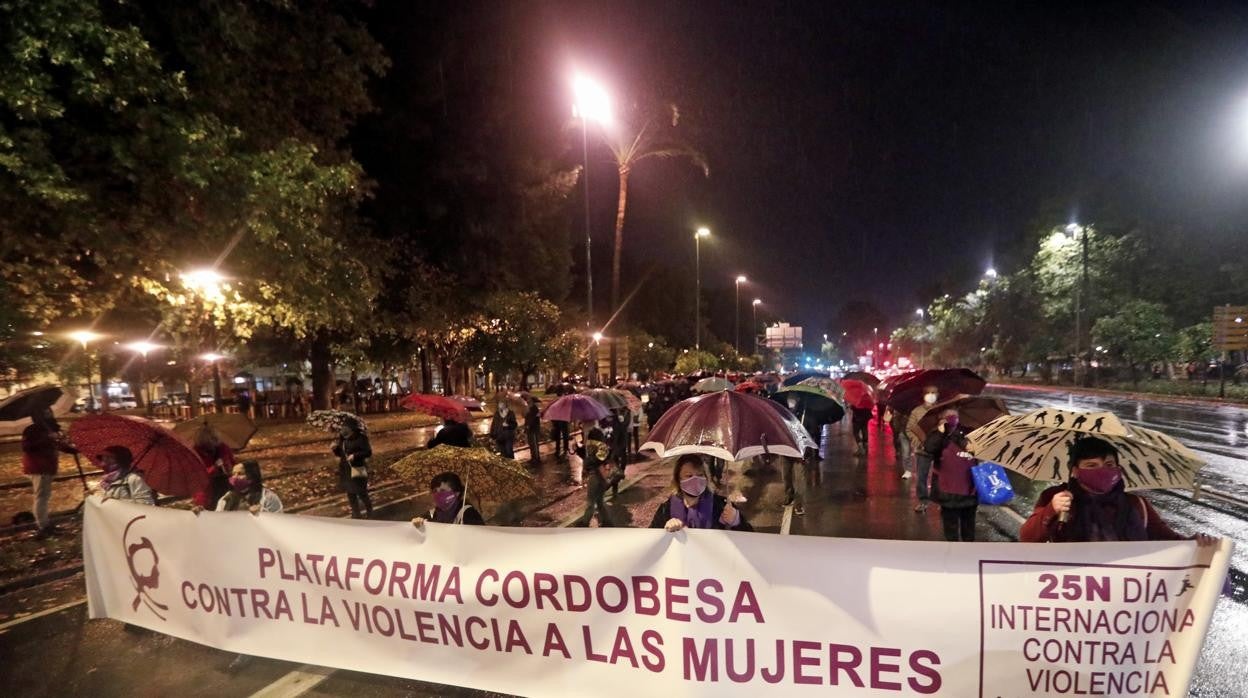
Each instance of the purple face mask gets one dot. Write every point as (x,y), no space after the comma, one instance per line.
(694,485)
(1099,480)
(951,422)
(240,484)
(445,499)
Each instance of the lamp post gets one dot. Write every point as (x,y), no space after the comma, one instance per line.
(697,295)
(591,102)
(922,331)
(85,337)
(736,317)
(143,348)
(1082,297)
(214,359)
(754,321)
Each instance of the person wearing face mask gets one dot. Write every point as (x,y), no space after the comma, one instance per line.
(353,451)
(247,491)
(449,506)
(121,481)
(1094,506)
(922,460)
(693,504)
(218,461)
(952,484)
(503,430)
(601,478)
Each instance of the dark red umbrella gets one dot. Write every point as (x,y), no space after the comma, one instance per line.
(949,383)
(575,408)
(868,378)
(752,387)
(858,394)
(728,425)
(168,465)
(437,405)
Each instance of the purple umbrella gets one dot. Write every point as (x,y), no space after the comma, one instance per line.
(575,408)
(728,425)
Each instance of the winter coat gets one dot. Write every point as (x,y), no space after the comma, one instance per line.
(1131,517)
(218,475)
(664,512)
(269,502)
(40,446)
(533,419)
(354,445)
(953,484)
(465,514)
(452,434)
(503,426)
(129,486)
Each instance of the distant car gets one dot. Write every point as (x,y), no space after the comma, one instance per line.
(124,402)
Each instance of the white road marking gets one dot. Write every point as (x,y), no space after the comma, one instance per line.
(786,521)
(296,683)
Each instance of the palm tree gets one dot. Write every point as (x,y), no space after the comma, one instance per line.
(653,139)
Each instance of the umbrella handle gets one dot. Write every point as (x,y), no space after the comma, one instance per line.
(1063,517)
(81,475)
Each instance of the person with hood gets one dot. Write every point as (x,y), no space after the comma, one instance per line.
(533,431)
(42,445)
(121,480)
(860,418)
(1094,506)
(247,491)
(353,451)
(218,461)
(692,504)
(952,485)
(452,433)
(601,478)
(449,506)
(620,431)
(923,461)
(503,429)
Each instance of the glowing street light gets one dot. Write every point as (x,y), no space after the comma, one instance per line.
(702,232)
(991,273)
(143,347)
(597,337)
(590,101)
(204,282)
(85,337)
(736,318)
(754,321)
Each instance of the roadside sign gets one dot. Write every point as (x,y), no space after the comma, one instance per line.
(1230,328)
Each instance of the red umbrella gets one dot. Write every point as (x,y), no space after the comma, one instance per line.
(437,405)
(752,387)
(858,394)
(728,425)
(168,465)
(949,383)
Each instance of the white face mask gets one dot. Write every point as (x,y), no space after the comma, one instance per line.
(930,398)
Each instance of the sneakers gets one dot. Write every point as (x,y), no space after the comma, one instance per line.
(905,475)
(920,507)
(799,510)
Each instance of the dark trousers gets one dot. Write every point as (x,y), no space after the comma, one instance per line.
(636,439)
(534,438)
(356,499)
(860,433)
(506,445)
(923,469)
(959,523)
(559,434)
(595,504)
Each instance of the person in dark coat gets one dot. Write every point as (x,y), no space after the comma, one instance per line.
(593,449)
(1094,506)
(601,479)
(860,418)
(42,444)
(533,431)
(621,429)
(952,485)
(353,451)
(693,504)
(452,433)
(447,491)
(503,430)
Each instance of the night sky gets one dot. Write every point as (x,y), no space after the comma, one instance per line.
(881,151)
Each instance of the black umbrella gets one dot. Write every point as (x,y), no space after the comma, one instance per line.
(868,378)
(800,376)
(30,403)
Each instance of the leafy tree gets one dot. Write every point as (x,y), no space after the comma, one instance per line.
(648,354)
(1195,343)
(1138,332)
(514,333)
(691,360)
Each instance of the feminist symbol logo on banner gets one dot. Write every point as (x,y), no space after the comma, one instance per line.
(144,564)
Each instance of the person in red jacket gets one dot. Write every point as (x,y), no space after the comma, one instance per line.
(218,461)
(1094,506)
(42,443)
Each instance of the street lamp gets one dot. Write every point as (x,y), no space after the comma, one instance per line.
(736,318)
(143,348)
(204,282)
(703,232)
(214,359)
(590,101)
(922,331)
(990,274)
(754,321)
(1082,293)
(85,337)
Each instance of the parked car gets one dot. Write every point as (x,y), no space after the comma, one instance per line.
(124,402)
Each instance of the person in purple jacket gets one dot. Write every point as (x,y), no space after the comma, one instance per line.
(952,485)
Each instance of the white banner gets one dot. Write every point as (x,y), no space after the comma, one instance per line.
(620,612)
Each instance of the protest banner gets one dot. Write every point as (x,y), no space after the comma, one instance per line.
(619,612)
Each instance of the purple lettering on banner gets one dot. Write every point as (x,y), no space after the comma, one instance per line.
(513,580)
(850,666)
(702,666)
(546,588)
(746,603)
(674,598)
(492,574)
(652,642)
(424,626)
(353,572)
(709,599)
(734,674)
(879,666)
(375,587)
(620,589)
(554,642)
(515,638)
(801,661)
(472,638)
(924,663)
(587,635)
(575,580)
(775,675)
(646,595)
(623,647)
(188,601)
(267,558)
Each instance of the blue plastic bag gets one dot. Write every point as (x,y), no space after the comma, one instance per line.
(992,484)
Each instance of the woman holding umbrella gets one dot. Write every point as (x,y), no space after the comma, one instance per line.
(218,460)
(953,487)
(353,451)
(693,504)
(447,491)
(1094,505)
(121,481)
